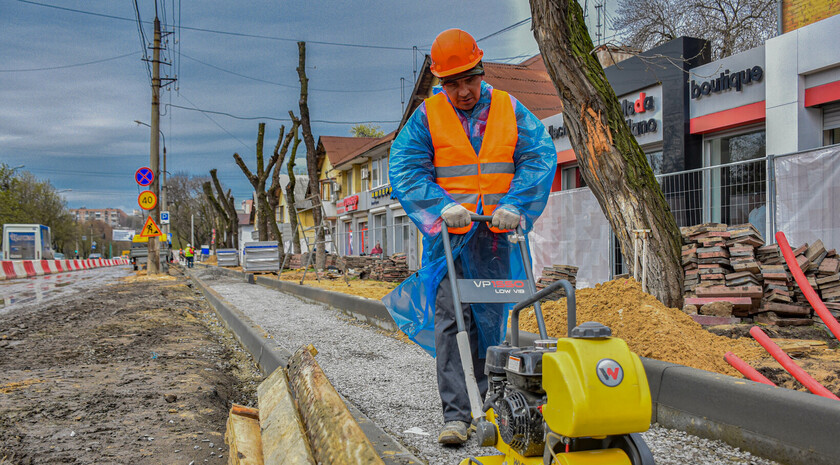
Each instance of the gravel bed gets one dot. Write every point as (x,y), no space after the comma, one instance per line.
(394,383)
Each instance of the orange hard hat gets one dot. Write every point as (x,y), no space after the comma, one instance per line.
(454,51)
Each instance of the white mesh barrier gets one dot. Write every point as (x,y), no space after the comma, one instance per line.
(808,197)
(573,231)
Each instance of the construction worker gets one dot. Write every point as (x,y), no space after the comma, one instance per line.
(189,252)
(467,149)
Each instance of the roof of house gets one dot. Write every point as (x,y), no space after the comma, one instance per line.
(341,149)
(244,218)
(528,81)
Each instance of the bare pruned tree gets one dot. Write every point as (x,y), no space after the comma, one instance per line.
(731,26)
(258,180)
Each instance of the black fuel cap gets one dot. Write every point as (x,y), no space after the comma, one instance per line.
(591,330)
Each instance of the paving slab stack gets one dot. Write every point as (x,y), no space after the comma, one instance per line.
(261,256)
(227,257)
(731,274)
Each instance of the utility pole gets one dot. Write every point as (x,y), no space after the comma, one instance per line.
(153,260)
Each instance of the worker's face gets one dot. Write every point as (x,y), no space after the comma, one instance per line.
(464,92)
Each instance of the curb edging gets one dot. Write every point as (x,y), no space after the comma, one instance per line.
(269,356)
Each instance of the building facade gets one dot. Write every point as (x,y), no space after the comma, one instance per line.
(113,217)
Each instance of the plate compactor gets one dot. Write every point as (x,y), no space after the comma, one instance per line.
(578,400)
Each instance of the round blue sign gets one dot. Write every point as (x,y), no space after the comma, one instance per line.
(144,176)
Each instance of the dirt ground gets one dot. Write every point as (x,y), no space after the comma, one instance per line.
(140,371)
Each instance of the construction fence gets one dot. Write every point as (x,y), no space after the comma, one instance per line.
(797,193)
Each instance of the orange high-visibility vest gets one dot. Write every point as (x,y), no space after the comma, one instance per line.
(468,177)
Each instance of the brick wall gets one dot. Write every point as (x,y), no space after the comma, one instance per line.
(800,13)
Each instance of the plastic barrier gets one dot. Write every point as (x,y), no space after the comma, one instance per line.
(12,269)
(803,284)
(810,383)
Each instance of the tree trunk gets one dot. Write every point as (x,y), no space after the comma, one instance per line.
(265,217)
(313,191)
(231,218)
(613,165)
(290,196)
(220,211)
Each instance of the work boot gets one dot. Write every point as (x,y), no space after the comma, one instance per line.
(454,433)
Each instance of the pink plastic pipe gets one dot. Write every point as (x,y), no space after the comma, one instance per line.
(751,373)
(803,284)
(810,383)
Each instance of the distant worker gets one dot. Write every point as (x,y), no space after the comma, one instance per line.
(377,250)
(189,252)
(468,148)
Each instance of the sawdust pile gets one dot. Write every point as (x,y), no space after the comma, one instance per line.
(650,328)
(363,288)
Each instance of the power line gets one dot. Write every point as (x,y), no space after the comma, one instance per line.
(143,41)
(211,119)
(270,118)
(500,31)
(68,66)
(230,33)
(281,84)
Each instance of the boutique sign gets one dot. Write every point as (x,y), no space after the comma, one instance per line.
(726,81)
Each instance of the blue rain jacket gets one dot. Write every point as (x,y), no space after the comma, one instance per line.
(412,173)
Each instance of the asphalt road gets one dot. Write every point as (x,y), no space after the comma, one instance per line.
(17,293)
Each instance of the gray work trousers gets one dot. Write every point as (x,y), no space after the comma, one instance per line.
(450,375)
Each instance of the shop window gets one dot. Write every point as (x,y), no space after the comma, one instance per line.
(570,177)
(401,226)
(736,187)
(831,124)
(364,239)
(279,214)
(348,238)
(380,233)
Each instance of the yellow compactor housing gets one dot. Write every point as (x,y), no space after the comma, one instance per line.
(595,387)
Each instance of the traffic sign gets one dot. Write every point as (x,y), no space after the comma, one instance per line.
(164,217)
(150,229)
(144,176)
(147,200)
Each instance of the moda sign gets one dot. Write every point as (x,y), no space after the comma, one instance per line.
(642,111)
(727,81)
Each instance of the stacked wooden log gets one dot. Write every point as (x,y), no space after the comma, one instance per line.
(731,265)
(554,273)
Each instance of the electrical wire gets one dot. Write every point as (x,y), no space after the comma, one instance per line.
(230,33)
(143,41)
(69,66)
(284,85)
(195,107)
(270,118)
(501,31)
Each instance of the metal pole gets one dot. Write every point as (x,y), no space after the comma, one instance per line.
(644,261)
(636,255)
(165,227)
(192,229)
(154,153)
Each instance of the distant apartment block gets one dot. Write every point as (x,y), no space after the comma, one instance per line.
(112,216)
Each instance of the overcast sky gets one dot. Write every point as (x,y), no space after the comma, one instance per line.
(72,79)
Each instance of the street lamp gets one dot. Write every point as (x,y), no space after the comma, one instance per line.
(63,190)
(17,168)
(163,174)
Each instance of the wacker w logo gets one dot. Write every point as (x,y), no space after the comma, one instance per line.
(610,372)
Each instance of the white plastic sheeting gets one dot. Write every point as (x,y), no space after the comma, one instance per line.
(808,197)
(573,231)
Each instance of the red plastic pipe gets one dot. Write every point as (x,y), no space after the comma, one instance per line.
(803,284)
(810,383)
(751,373)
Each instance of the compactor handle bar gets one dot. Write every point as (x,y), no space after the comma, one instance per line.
(571,308)
(475,217)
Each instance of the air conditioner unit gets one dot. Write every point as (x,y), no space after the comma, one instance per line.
(365,173)
(335,187)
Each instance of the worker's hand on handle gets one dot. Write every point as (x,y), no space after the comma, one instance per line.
(456,216)
(504,218)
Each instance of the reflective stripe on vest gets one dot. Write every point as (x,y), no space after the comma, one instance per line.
(468,177)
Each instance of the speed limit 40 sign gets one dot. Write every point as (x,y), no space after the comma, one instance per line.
(147,200)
